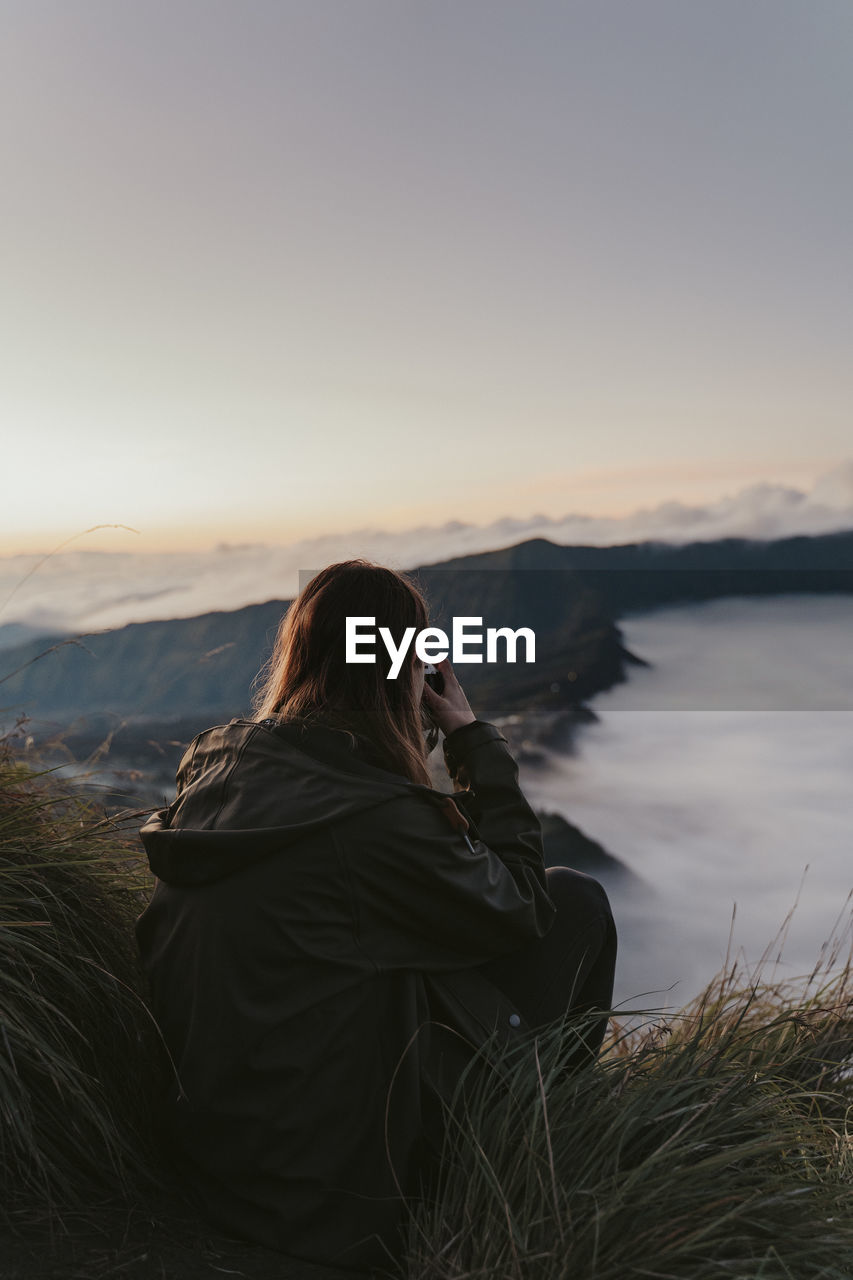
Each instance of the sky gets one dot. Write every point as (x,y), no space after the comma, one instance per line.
(376,273)
(82,589)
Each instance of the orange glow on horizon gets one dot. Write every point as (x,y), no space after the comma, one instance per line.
(613,493)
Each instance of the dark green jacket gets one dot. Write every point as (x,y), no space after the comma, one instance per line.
(314,918)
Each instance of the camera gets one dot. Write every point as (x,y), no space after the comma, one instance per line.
(434,678)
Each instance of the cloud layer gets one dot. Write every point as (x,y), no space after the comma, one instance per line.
(90,590)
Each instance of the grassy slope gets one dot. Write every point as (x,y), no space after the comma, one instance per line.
(712,1145)
(716,1144)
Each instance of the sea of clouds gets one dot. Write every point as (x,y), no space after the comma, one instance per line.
(87,590)
(730,756)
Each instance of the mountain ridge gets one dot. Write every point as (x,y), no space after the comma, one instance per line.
(572,597)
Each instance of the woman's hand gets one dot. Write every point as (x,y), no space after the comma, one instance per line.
(449,709)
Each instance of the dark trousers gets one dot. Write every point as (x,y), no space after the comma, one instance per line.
(570,970)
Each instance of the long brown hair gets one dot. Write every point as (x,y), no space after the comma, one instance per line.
(308,678)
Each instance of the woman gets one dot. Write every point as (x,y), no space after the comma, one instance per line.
(330,937)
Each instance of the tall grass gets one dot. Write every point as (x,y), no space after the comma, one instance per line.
(715,1144)
(78,1051)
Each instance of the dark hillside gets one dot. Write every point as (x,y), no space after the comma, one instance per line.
(201,665)
(205,666)
(572,597)
(647,575)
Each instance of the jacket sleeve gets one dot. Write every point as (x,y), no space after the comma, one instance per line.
(490,781)
(429,895)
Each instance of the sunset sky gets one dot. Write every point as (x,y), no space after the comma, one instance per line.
(277,269)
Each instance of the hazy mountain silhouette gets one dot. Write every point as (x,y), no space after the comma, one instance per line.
(572,597)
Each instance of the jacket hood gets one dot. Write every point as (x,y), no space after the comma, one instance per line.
(246,790)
